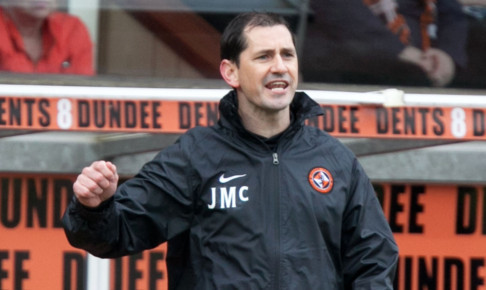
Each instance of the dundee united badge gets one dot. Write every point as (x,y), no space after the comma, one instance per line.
(321,179)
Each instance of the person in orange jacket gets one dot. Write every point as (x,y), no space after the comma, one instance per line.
(35,38)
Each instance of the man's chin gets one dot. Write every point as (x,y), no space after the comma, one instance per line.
(279,105)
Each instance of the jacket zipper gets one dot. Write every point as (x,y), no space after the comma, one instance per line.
(276,162)
(275,158)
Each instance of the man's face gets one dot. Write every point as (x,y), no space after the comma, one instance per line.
(267,75)
(34,8)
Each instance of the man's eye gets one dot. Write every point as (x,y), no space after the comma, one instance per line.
(263,57)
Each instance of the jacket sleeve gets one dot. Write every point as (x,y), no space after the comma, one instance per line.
(146,210)
(453,31)
(370,253)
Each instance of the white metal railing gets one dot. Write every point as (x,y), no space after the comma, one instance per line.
(387,97)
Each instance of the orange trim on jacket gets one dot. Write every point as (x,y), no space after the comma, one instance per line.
(67,47)
(386,10)
(427,18)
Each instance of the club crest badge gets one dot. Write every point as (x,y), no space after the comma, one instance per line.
(321,179)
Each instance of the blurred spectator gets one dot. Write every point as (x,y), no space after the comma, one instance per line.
(404,42)
(439,27)
(35,38)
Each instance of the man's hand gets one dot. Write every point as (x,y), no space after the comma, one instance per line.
(96,183)
(416,56)
(437,64)
(443,67)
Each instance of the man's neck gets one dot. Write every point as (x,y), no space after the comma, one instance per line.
(26,25)
(265,124)
(30,28)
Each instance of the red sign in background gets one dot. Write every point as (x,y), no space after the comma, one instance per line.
(440,230)
(441,233)
(34,252)
(163,116)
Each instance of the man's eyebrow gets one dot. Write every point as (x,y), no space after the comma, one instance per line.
(264,51)
(272,51)
(288,49)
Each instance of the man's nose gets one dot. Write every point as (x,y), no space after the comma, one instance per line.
(278,65)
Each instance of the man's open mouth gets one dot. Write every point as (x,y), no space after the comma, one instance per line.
(277,85)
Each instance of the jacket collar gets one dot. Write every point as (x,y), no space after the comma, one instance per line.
(301,108)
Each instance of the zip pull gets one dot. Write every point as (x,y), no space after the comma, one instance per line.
(275,158)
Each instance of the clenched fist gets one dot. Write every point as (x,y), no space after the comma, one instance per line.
(96,183)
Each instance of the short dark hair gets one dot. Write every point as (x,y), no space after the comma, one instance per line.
(233,40)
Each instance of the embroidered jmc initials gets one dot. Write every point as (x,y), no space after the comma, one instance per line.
(227,196)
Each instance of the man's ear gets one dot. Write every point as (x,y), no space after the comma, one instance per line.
(229,72)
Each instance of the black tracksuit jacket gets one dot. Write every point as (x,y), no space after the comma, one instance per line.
(297,214)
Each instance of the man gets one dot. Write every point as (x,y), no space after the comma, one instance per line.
(439,28)
(266,202)
(35,38)
(395,42)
